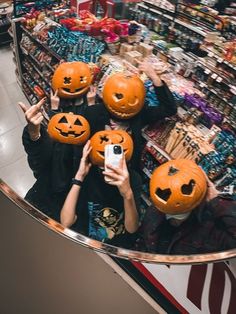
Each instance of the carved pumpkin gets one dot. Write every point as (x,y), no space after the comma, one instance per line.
(124,95)
(69,128)
(100,139)
(178,186)
(71,79)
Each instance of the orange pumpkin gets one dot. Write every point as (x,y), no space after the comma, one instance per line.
(124,95)
(178,186)
(69,128)
(100,139)
(71,79)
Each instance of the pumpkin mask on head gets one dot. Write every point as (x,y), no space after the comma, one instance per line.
(178,186)
(102,138)
(69,128)
(71,79)
(124,95)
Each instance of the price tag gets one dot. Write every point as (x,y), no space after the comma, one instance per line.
(233,90)
(214,76)
(219,79)
(202,84)
(220,60)
(211,54)
(207,71)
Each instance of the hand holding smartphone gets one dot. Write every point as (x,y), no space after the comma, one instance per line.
(113,157)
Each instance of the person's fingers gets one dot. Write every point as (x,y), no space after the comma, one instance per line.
(23,107)
(123,163)
(32,111)
(41,103)
(87,152)
(112,175)
(56,92)
(51,93)
(116,183)
(36,117)
(114,169)
(37,121)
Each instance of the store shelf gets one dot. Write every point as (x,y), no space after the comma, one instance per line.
(30,88)
(213,91)
(156,146)
(218,58)
(39,73)
(159,7)
(147,172)
(53,53)
(146,199)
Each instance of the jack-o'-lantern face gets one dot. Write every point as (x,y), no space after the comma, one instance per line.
(178,186)
(124,95)
(69,128)
(102,138)
(71,79)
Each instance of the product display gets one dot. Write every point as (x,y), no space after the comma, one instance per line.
(192,48)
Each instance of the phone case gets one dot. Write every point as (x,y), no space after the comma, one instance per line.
(111,158)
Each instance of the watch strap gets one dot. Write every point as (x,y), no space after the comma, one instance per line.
(77,182)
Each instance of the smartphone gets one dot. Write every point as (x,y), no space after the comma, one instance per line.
(113,156)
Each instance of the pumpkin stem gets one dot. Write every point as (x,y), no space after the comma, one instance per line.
(172,171)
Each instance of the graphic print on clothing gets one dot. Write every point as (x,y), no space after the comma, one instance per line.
(104,223)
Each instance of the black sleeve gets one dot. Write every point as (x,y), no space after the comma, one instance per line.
(136,185)
(167,105)
(39,152)
(224,213)
(98,117)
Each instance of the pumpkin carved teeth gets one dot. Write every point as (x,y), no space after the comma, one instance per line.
(70,133)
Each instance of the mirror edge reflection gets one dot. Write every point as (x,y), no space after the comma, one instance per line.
(106,248)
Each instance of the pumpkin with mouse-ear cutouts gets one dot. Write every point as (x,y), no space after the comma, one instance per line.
(178,186)
(71,79)
(69,128)
(102,138)
(124,95)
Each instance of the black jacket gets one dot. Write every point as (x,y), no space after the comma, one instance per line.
(211,228)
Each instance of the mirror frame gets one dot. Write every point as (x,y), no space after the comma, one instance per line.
(106,248)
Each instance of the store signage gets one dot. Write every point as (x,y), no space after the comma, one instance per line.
(195,289)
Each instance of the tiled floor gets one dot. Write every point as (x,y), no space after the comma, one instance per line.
(14,169)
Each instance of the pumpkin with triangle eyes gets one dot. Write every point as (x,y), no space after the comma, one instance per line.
(124,95)
(178,186)
(102,138)
(69,128)
(72,79)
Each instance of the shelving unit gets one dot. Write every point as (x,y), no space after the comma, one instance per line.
(5,23)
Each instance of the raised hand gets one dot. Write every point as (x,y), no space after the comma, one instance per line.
(119,177)
(85,165)
(149,70)
(55,100)
(34,117)
(91,95)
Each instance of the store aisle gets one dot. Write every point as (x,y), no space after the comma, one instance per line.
(14,169)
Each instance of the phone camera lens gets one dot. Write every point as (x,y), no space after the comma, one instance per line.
(117,150)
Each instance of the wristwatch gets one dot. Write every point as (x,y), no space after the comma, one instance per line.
(77,182)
